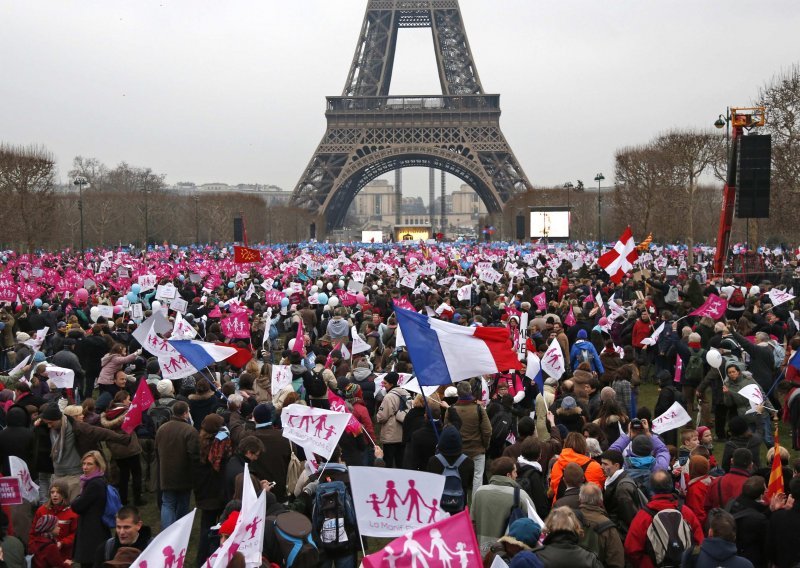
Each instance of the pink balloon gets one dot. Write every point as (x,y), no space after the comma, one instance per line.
(360,298)
(118,309)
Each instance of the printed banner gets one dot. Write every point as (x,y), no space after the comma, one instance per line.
(62,378)
(281,378)
(236,326)
(675,417)
(314,428)
(169,546)
(391,502)
(10,492)
(448,543)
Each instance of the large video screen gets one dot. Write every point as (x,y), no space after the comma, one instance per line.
(371,236)
(550,224)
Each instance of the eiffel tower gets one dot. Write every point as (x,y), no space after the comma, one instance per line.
(370,133)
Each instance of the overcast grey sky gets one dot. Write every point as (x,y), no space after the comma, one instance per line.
(234,91)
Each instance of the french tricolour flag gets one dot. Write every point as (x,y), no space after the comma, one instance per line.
(201,354)
(444,353)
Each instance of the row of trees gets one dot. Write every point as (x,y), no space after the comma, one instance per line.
(123,205)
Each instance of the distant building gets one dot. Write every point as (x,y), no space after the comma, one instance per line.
(272,194)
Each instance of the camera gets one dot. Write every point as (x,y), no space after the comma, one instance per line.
(636,424)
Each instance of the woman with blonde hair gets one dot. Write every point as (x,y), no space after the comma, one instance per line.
(89,506)
(561,549)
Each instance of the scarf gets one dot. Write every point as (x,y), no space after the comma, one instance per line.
(86,478)
(58,447)
(219,452)
(535,465)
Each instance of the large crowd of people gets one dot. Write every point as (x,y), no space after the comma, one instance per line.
(559,471)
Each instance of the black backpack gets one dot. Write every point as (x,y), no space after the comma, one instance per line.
(516,511)
(159,415)
(334,518)
(453,499)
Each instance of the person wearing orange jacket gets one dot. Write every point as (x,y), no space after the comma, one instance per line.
(574,452)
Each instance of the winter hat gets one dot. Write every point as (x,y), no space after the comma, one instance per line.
(524,533)
(22,337)
(603,322)
(568,403)
(526,559)
(392,378)
(164,388)
(582,334)
(642,446)
(45,524)
(665,378)
(702,430)
(551,381)
(451,392)
(227,527)
(450,441)
(737,426)
(262,414)
(698,466)
(51,412)
(39,357)
(607,394)
(352,391)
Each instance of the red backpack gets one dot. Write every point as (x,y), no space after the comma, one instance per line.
(737,298)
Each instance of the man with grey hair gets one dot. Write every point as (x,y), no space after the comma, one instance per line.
(593,516)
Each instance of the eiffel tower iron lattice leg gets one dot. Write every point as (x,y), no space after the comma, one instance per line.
(370,133)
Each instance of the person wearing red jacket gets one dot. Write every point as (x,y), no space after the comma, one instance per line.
(729,486)
(642,328)
(664,497)
(697,488)
(67,521)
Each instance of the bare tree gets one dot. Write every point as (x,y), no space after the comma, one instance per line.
(691,154)
(27,179)
(643,175)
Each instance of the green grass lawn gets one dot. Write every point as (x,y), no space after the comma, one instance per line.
(151,516)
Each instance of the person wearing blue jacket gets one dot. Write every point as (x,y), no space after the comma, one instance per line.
(584,351)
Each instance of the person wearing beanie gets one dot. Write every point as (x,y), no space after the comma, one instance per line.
(449,451)
(740,436)
(526,560)
(522,536)
(43,542)
(697,487)
(391,414)
(475,428)
(271,465)
(227,526)
(584,352)
(664,497)
(570,415)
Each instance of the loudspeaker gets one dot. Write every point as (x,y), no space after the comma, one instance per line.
(520,227)
(753,176)
(312,231)
(238,230)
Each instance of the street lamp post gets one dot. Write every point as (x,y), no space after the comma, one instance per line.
(80,181)
(568,186)
(196,220)
(146,220)
(599,178)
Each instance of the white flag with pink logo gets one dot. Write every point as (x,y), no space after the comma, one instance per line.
(391,502)
(169,547)
(314,428)
(553,360)
(449,543)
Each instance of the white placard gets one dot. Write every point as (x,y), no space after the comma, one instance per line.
(179,305)
(62,378)
(281,378)
(166,292)
(106,311)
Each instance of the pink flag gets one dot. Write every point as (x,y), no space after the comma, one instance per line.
(236,326)
(142,400)
(570,320)
(347,298)
(403,303)
(299,343)
(541,301)
(337,405)
(678,370)
(449,542)
(714,307)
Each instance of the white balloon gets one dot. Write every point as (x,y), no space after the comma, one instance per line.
(94,313)
(333,301)
(714,358)
(319,284)
(314,290)
(329,286)
(375,287)
(156,305)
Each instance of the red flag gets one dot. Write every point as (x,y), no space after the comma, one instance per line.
(337,405)
(142,400)
(619,260)
(243,255)
(775,484)
(434,545)
(299,344)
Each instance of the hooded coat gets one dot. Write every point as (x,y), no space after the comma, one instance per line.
(16,439)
